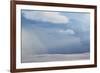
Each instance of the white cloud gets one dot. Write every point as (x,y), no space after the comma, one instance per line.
(68,31)
(52,17)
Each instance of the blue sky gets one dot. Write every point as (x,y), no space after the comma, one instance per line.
(55,32)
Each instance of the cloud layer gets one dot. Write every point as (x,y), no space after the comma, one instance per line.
(52,17)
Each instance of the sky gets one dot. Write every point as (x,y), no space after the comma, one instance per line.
(55,32)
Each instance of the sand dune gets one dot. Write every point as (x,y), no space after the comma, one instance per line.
(55,57)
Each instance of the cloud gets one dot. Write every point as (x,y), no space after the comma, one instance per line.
(68,31)
(66,44)
(52,17)
(42,41)
(55,40)
(80,21)
(39,41)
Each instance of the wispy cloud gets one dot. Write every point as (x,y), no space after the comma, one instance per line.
(52,17)
(68,31)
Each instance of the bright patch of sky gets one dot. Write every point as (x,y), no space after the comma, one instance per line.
(49,32)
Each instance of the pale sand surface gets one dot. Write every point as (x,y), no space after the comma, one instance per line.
(55,57)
